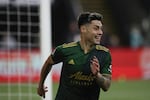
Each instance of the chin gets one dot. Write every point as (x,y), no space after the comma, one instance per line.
(97,43)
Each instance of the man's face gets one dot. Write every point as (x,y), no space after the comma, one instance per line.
(94,32)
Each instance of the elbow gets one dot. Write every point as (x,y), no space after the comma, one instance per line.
(105,89)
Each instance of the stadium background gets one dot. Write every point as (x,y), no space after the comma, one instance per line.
(127,35)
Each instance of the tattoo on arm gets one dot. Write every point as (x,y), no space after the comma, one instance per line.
(103,81)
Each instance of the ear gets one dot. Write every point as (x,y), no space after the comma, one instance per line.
(83,29)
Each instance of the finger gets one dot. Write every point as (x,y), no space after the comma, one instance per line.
(95,59)
(45,90)
(96,64)
(45,87)
(44,95)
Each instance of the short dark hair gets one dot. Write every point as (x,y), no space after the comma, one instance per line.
(87,17)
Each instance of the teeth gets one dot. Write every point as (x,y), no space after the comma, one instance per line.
(97,37)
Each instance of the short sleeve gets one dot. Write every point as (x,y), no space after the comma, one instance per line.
(57,55)
(107,67)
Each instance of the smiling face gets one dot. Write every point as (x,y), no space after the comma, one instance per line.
(92,32)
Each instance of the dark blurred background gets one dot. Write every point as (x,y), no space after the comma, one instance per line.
(126,22)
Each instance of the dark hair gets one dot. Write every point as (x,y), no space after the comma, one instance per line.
(87,17)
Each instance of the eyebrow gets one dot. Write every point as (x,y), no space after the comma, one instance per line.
(99,26)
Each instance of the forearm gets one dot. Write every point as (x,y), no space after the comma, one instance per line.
(44,72)
(43,75)
(104,81)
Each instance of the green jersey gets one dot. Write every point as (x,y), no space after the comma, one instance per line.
(77,81)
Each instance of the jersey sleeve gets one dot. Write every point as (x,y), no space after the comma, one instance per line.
(57,55)
(107,68)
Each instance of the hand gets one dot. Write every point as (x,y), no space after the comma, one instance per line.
(41,91)
(95,67)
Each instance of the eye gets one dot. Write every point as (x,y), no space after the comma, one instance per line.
(96,28)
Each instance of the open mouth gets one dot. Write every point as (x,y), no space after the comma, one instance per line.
(97,37)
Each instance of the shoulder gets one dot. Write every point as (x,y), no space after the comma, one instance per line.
(68,45)
(103,48)
(104,52)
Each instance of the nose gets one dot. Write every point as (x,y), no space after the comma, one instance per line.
(100,32)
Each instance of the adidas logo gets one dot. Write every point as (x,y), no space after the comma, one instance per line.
(71,62)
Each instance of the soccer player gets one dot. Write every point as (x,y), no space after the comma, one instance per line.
(86,64)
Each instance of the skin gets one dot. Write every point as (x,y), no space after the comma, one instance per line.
(90,36)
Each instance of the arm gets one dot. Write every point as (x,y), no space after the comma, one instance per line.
(103,80)
(44,72)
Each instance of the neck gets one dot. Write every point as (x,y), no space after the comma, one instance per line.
(86,46)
